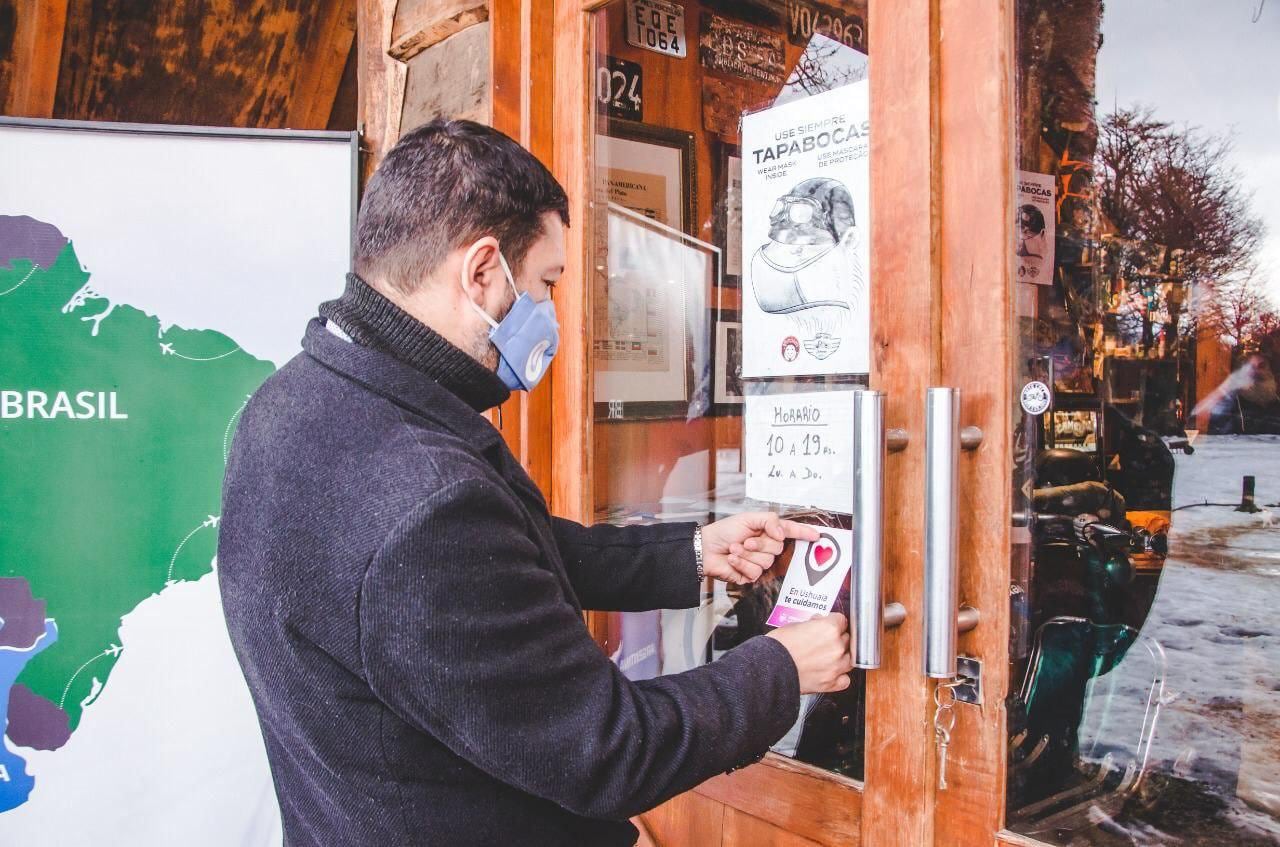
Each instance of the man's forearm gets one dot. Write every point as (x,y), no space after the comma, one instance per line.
(632,568)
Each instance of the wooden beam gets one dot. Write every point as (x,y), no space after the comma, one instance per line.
(319,70)
(976,159)
(344,116)
(573,165)
(421,23)
(381,81)
(450,80)
(537,77)
(37,54)
(507,97)
(180,62)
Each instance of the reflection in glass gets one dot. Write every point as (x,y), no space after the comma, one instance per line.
(1146,644)
(676,256)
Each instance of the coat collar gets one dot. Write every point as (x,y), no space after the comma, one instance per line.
(403,385)
(372,320)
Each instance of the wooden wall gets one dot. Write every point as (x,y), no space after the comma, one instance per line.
(447,48)
(240,63)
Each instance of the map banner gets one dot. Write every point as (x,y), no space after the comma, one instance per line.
(150,280)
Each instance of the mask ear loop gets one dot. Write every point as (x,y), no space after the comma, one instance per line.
(462,281)
(511,278)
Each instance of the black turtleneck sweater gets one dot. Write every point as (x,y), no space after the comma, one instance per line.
(408,615)
(371,320)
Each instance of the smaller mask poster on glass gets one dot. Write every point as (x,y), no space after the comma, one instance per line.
(805,236)
(1033,257)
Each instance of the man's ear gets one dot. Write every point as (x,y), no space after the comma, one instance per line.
(481,268)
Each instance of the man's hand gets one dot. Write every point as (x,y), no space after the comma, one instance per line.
(820,649)
(740,548)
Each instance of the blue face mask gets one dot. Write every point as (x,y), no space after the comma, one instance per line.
(527,338)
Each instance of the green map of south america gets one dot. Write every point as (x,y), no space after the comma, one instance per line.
(114,432)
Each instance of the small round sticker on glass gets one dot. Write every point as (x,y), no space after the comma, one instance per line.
(1036,398)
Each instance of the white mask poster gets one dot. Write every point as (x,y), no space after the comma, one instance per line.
(805,236)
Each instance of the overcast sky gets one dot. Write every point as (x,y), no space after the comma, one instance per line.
(1205,63)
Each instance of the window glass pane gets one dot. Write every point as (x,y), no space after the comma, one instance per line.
(730,233)
(1146,643)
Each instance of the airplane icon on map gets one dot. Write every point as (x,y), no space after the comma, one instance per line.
(166,349)
(213,520)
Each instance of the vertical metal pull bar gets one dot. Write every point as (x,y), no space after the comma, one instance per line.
(941,583)
(867,600)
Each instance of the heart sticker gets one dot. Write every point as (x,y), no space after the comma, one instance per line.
(821,558)
(815,588)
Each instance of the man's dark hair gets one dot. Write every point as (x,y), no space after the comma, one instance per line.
(445,185)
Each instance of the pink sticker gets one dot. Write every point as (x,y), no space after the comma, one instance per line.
(814,578)
(783,615)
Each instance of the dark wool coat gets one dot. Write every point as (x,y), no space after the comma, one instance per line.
(408,618)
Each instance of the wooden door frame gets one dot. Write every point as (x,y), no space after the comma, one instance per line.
(942,142)
(976,127)
(942,117)
(807,801)
(897,806)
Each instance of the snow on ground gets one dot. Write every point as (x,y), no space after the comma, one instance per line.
(1217,617)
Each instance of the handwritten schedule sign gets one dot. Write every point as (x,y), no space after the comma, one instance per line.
(799,449)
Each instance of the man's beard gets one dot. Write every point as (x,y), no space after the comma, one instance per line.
(481,348)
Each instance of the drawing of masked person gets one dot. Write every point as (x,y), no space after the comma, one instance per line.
(1032,243)
(809,268)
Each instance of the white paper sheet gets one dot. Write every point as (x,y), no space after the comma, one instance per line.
(799,449)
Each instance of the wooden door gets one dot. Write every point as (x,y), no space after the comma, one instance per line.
(1145,680)
(939,184)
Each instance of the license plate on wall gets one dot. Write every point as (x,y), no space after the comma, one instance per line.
(620,88)
(656,25)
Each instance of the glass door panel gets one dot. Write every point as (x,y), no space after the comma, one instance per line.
(730,298)
(1145,665)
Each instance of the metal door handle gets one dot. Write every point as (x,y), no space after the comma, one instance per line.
(867,594)
(941,583)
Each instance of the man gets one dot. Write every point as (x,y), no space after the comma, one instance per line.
(407,613)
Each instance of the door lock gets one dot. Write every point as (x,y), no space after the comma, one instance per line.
(968,683)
